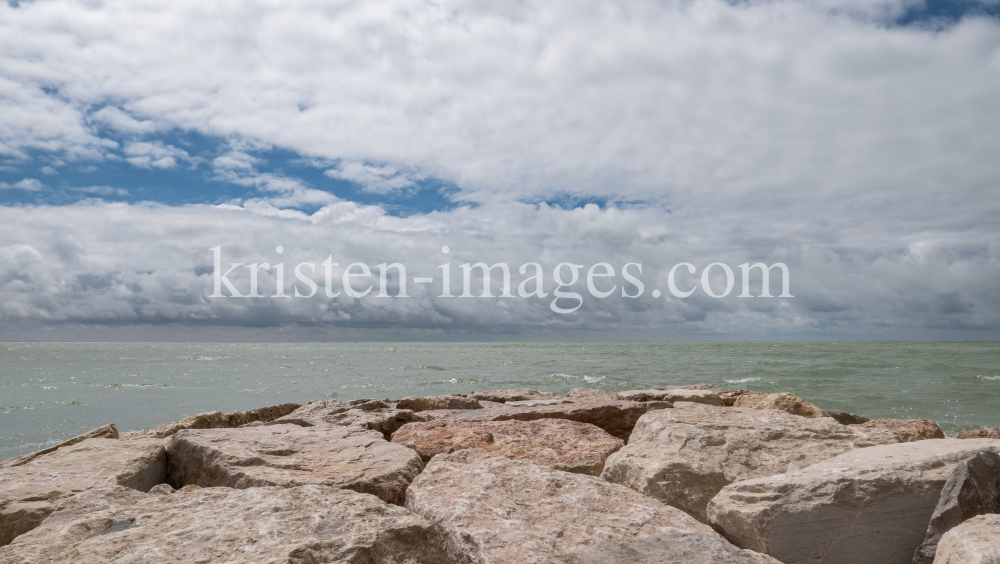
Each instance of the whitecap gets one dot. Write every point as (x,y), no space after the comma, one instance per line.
(743,380)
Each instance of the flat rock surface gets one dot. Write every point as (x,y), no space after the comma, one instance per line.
(451,401)
(108,431)
(496,510)
(617,417)
(973,542)
(684,456)
(561,444)
(512,394)
(991,433)
(908,430)
(365,415)
(214,420)
(289,455)
(305,524)
(30,492)
(783,401)
(707,397)
(591,393)
(866,506)
(677,548)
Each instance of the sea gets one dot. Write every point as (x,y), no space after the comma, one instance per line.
(51,391)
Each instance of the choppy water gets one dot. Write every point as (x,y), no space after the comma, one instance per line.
(52,391)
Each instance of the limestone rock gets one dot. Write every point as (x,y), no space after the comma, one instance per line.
(514,394)
(451,401)
(591,394)
(502,511)
(972,489)
(162,489)
(617,417)
(214,420)
(539,402)
(289,455)
(261,414)
(783,401)
(677,548)
(908,430)
(29,492)
(684,456)
(707,397)
(729,397)
(373,415)
(710,387)
(992,433)
(108,431)
(305,524)
(972,542)
(866,506)
(845,418)
(561,444)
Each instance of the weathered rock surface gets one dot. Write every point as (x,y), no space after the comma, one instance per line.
(306,524)
(502,511)
(617,417)
(451,401)
(972,489)
(908,430)
(561,444)
(108,431)
(289,455)
(364,415)
(783,401)
(709,387)
(513,394)
(707,397)
(866,506)
(973,542)
(684,456)
(29,492)
(845,418)
(214,420)
(992,433)
(591,394)
(729,397)
(677,548)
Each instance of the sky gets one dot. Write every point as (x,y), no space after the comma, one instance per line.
(856,142)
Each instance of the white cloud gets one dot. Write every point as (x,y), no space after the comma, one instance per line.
(375,179)
(27,185)
(155,154)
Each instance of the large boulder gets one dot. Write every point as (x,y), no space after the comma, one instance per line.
(972,542)
(31,491)
(214,420)
(908,430)
(684,456)
(676,548)
(561,444)
(364,415)
(450,401)
(866,506)
(512,394)
(972,489)
(991,433)
(617,417)
(783,401)
(502,511)
(305,524)
(108,431)
(289,455)
(591,394)
(707,397)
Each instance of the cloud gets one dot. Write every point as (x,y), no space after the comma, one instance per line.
(144,154)
(376,179)
(27,185)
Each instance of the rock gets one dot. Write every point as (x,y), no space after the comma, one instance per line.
(515,394)
(992,433)
(305,524)
(29,492)
(677,548)
(783,401)
(561,444)
(617,417)
(710,387)
(972,542)
(162,489)
(362,415)
(845,418)
(707,397)
(451,401)
(684,456)
(972,489)
(503,511)
(261,414)
(729,397)
(289,455)
(591,394)
(108,431)
(866,506)
(539,402)
(214,420)
(908,430)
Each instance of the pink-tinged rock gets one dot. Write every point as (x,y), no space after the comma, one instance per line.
(866,506)
(289,455)
(991,433)
(108,431)
(784,401)
(514,394)
(676,548)
(31,491)
(973,542)
(360,415)
(496,510)
(214,420)
(451,401)
(301,525)
(908,430)
(729,397)
(561,444)
(616,417)
(592,394)
(707,397)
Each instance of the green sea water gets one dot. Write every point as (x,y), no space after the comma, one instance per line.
(52,391)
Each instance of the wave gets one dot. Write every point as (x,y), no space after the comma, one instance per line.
(743,380)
